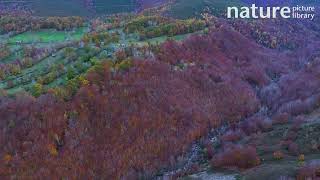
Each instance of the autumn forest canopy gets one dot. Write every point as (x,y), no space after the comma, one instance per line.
(156,89)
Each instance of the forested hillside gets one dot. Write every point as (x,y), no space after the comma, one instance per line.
(163,91)
(82,7)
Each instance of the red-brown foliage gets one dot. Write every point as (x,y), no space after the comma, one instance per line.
(120,125)
(232,136)
(236,156)
(265,124)
(291,135)
(282,118)
(310,171)
(297,123)
(129,124)
(256,124)
(210,149)
(277,155)
(293,149)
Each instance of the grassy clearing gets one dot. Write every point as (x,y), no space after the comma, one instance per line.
(43,38)
(48,35)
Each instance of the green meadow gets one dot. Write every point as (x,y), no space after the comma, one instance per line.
(47,36)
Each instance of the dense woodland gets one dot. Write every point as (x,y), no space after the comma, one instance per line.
(137,113)
(150,111)
(18,24)
(154,26)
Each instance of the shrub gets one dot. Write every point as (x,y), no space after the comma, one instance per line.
(71,73)
(281,118)
(301,158)
(37,89)
(10,84)
(264,124)
(293,149)
(2,74)
(236,156)
(278,155)
(3,93)
(256,124)
(4,51)
(7,158)
(15,69)
(209,150)
(298,121)
(249,126)
(27,62)
(124,65)
(232,136)
(291,135)
(120,55)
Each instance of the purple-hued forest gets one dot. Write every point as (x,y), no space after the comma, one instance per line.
(158,90)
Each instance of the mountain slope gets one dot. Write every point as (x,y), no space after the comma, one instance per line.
(59,8)
(81,7)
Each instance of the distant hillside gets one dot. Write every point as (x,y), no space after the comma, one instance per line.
(59,8)
(177,8)
(75,7)
(114,6)
(80,7)
(278,2)
(190,8)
